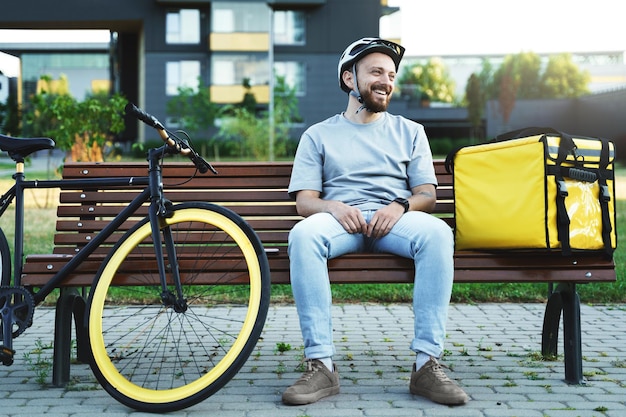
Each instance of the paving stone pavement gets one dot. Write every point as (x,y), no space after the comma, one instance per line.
(492,350)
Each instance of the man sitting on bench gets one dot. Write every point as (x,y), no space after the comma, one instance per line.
(364,181)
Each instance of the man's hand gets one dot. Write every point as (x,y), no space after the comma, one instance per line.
(308,202)
(349,217)
(384,219)
(423,198)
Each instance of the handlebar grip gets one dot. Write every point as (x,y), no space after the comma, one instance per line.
(147,118)
(202,165)
(181,146)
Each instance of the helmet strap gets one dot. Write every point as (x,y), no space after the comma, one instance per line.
(355,91)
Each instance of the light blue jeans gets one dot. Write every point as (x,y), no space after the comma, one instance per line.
(417,235)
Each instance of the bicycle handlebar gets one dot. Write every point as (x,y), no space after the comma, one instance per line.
(148,119)
(181,146)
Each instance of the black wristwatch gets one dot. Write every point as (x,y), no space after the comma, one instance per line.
(403,202)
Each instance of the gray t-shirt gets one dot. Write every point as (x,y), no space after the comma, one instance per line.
(363,165)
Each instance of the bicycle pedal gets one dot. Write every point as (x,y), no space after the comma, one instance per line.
(6,355)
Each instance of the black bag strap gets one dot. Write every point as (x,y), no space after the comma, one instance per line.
(562,218)
(449,164)
(566,147)
(525,131)
(605,198)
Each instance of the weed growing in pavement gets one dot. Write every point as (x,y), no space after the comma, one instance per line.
(39,362)
(282,347)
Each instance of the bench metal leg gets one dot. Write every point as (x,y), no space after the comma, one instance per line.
(565,299)
(70,303)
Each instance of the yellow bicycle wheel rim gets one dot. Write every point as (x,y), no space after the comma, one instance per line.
(100,355)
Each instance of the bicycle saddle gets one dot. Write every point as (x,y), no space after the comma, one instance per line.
(20,148)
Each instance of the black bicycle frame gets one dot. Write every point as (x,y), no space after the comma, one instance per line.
(153,192)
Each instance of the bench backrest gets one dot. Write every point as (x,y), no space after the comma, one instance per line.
(257,191)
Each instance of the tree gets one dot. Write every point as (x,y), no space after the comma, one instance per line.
(523,71)
(10,116)
(507,92)
(193,108)
(506,82)
(477,92)
(520,76)
(82,127)
(526,74)
(251,132)
(249,100)
(486,77)
(563,79)
(476,99)
(431,80)
(286,106)
(560,78)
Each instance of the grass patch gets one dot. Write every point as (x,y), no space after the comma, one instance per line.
(39,225)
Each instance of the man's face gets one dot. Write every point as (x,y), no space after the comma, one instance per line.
(376,73)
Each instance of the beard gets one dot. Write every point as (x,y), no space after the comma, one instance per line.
(375,103)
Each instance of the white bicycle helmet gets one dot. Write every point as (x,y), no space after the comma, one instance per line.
(365,46)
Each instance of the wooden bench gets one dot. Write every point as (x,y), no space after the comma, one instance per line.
(257,191)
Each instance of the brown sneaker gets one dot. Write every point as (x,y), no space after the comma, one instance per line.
(315,383)
(431,382)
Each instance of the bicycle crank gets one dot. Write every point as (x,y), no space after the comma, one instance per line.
(17,307)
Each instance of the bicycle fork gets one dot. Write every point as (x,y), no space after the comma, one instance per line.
(162,239)
(160,210)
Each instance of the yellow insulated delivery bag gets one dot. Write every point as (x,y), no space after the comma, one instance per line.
(535,188)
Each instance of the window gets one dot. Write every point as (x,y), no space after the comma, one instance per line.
(289,27)
(230,17)
(81,70)
(181,74)
(183,26)
(232,69)
(294,74)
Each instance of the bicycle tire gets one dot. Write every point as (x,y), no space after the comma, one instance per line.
(153,359)
(5,260)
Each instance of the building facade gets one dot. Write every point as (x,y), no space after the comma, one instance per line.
(159,45)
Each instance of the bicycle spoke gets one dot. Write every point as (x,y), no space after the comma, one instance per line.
(153,357)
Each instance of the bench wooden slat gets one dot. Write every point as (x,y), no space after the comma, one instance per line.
(92,211)
(176,169)
(199,194)
(252,195)
(88,226)
(381,268)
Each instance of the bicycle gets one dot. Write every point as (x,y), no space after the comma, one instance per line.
(175,344)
